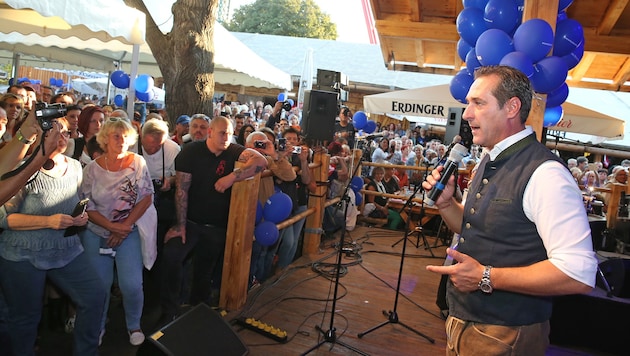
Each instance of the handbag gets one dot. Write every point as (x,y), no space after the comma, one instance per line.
(147,228)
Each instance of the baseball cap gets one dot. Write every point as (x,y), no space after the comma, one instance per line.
(184,120)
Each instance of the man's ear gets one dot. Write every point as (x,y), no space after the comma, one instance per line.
(513,106)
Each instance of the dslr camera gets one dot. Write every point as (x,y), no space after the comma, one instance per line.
(157,184)
(260,144)
(47,113)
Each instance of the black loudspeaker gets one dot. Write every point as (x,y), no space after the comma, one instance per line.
(318,115)
(455,125)
(200,331)
(617,274)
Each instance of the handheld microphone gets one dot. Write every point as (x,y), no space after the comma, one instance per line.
(452,164)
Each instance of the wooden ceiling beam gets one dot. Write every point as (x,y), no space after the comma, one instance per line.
(418,30)
(579,71)
(416,11)
(613,12)
(420,59)
(594,42)
(623,74)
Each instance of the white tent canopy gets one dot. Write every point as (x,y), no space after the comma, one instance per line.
(53,39)
(434,101)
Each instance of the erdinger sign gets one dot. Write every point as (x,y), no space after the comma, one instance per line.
(417,109)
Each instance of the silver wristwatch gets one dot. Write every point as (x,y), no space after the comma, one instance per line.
(485,285)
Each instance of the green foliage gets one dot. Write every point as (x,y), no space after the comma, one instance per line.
(295,18)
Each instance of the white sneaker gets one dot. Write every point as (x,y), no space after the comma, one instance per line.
(136,338)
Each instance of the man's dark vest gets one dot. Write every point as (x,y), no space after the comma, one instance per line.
(495,231)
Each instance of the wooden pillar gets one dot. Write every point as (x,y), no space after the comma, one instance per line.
(613,204)
(313,224)
(238,245)
(548,11)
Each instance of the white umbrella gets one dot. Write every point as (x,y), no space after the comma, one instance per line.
(306,79)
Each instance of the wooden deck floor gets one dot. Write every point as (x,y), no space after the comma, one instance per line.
(301,298)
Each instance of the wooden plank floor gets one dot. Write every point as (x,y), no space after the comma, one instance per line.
(301,298)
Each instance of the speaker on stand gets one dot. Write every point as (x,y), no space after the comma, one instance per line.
(318,115)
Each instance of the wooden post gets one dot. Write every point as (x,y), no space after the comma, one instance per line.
(546,10)
(313,225)
(238,245)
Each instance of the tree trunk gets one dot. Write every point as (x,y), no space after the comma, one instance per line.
(185,56)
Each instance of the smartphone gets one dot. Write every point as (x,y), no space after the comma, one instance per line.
(260,144)
(297,149)
(79,209)
(282,144)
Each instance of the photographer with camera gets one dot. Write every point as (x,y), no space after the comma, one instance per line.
(344,128)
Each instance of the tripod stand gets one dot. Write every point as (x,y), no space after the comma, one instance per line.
(392,315)
(330,336)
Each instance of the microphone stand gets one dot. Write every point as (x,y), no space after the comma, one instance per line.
(392,315)
(330,336)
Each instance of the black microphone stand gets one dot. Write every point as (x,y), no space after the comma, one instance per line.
(392,315)
(330,336)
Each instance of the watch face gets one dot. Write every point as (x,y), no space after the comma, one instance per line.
(485,287)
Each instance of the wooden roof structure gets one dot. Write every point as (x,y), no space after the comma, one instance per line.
(421,36)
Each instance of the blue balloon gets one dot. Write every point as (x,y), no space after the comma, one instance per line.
(277,208)
(501,14)
(462,49)
(472,63)
(358,199)
(552,116)
(119,100)
(520,61)
(569,35)
(549,74)
(492,46)
(564,4)
(558,96)
(259,213)
(52,81)
(120,79)
(266,233)
(59,82)
(562,15)
(359,119)
(574,57)
(146,97)
(144,83)
(282,97)
(460,85)
(470,25)
(356,184)
(291,102)
(534,38)
(479,4)
(370,127)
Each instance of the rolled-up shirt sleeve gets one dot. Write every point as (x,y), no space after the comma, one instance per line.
(553,201)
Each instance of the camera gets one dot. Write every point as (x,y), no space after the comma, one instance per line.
(46,113)
(286,106)
(282,144)
(297,149)
(260,144)
(157,184)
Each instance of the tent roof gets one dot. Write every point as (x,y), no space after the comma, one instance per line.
(434,101)
(53,39)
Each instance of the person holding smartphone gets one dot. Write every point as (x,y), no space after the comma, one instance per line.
(33,248)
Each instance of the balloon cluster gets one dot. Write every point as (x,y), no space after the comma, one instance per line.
(361,122)
(492,34)
(143,83)
(276,209)
(22,80)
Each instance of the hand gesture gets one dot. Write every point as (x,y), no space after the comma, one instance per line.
(176,231)
(465,275)
(60,221)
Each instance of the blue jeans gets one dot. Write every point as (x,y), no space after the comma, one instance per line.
(129,266)
(23,287)
(289,240)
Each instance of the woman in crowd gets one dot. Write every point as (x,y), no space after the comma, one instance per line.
(90,121)
(37,243)
(120,190)
(377,206)
(381,153)
(247,129)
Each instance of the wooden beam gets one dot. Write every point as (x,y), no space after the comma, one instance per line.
(578,72)
(548,11)
(613,12)
(420,60)
(418,30)
(416,10)
(623,75)
(594,42)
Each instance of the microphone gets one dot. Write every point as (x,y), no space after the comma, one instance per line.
(457,154)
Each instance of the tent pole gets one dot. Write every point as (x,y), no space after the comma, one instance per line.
(131,97)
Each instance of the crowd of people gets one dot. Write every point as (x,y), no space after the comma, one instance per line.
(138,177)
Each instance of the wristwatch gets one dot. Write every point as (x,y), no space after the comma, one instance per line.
(485,285)
(20,137)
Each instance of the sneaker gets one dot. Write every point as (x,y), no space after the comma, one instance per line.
(69,326)
(100,337)
(136,338)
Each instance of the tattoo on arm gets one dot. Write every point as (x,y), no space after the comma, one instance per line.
(181,203)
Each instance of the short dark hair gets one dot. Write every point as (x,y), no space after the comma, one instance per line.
(290,130)
(513,83)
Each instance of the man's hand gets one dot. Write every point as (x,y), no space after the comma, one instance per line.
(449,190)
(465,275)
(175,232)
(224,183)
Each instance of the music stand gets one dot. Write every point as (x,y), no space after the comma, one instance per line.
(330,336)
(392,315)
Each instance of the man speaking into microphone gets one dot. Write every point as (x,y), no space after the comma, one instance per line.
(523,239)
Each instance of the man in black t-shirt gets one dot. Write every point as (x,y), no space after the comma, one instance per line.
(204,176)
(343,128)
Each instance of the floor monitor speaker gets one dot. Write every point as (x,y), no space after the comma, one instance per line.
(319,114)
(200,331)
